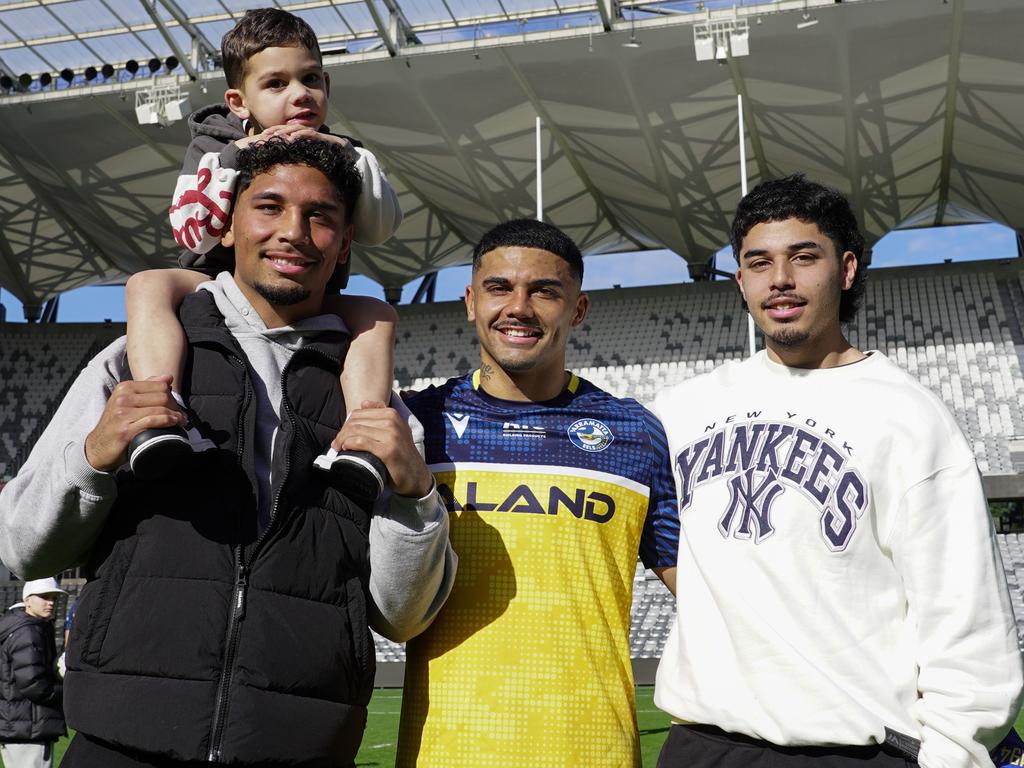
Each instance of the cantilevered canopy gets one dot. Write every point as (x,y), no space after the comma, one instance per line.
(913,107)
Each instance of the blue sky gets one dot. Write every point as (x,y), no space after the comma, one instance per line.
(922,246)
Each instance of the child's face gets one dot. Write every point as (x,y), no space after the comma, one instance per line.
(282,86)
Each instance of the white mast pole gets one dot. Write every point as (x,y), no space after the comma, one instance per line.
(751,340)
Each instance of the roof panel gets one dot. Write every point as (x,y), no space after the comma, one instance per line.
(66,54)
(199,8)
(23,60)
(130,13)
(630,156)
(425,11)
(7,35)
(215,30)
(83,16)
(358,17)
(325,21)
(238,7)
(32,22)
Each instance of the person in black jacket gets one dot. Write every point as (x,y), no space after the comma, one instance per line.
(227,611)
(31,719)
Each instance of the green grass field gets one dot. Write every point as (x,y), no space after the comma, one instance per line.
(378,750)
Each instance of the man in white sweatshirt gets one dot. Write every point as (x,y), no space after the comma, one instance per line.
(840,593)
(226,618)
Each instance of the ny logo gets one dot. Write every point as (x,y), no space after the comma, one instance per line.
(752,501)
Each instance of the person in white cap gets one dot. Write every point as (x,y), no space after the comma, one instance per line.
(31,718)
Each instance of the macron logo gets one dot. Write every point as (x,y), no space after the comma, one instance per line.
(459,422)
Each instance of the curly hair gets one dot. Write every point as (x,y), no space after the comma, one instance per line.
(530,233)
(258,30)
(327,158)
(794,197)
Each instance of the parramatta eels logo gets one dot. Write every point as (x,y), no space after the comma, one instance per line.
(590,435)
(760,460)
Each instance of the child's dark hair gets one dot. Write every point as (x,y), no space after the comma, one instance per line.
(794,197)
(259,29)
(530,233)
(328,158)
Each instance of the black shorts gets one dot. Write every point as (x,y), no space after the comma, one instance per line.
(704,746)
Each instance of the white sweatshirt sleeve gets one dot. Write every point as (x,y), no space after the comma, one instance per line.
(377,215)
(970,676)
(53,510)
(412,563)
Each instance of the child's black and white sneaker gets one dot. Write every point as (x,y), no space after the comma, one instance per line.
(155,453)
(354,473)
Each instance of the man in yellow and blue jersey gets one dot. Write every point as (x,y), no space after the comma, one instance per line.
(553,488)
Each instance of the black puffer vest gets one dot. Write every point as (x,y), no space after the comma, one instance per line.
(199,638)
(30,691)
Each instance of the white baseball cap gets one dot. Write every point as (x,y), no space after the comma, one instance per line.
(46,586)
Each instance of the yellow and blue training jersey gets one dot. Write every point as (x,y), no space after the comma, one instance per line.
(528,662)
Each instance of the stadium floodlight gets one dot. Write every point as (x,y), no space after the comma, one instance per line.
(107,70)
(739,43)
(45,79)
(718,40)
(131,67)
(25,80)
(161,105)
(67,75)
(177,109)
(6,83)
(703,47)
(154,64)
(171,63)
(90,73)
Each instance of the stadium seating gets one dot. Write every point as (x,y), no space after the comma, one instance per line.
(1011,550)
(654,610)
(957,328)
(37,364)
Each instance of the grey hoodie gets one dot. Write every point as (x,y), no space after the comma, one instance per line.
(52,512)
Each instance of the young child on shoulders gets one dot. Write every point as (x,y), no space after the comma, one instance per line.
(276,88)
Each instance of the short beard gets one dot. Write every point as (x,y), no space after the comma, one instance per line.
(790,338)
(282,296)
(516,366)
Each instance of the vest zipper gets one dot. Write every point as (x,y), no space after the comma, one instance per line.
(286,405)
(237,603)
(237,614)
(242,574)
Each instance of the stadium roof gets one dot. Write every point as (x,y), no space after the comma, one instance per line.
(913,107)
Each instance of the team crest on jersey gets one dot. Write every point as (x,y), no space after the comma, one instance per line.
(590,435)
(762,460)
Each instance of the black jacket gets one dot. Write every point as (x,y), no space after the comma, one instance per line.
(199,637)
(30,690)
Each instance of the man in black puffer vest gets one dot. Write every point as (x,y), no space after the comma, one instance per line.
(227,615)
(31,719)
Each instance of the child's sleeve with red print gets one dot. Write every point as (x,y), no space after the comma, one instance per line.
(200,210)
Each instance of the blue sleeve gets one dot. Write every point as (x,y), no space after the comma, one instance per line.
(659,542)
